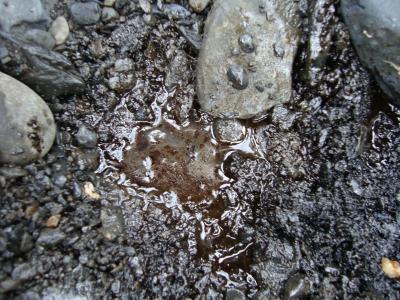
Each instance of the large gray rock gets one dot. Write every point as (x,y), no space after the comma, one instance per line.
(375,32)
(27,128)
(245,63)
(22,14)
(48,73)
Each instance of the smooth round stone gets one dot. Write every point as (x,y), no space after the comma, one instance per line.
(87,13)
(27,128)
(198,5)
(59,29)
(226,27)
(246,43)
(238,76)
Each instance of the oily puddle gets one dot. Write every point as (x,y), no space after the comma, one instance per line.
(187,160)
(182,161)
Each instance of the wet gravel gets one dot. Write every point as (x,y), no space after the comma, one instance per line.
(308,207)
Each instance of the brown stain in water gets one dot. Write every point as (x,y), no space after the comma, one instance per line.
(168,159)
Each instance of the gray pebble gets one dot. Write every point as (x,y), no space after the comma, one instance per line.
(176,11)
(60,180)
(51,237)
(24,272)
(122,82)
(192,36)
(116,286)
(87,13)
(109,14)
(238,76)
(283,117)
(86,137)
(177,71)
(229,130)
(112,222)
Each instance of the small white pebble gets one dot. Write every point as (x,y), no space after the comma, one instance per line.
(59,29)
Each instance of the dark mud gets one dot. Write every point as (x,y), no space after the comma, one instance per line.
(307,204)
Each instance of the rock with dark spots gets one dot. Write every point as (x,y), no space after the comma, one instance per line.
(177,72)
(238,76)
(86,137)
(19,15)
(227,30)
(24,272)
(192,36)
(176,11)
(246,43)
(41,38)
(113,224)
(198,5)
(48,73)
(87,13)
(375,33)
(229,130)
(27,128)
(297,287)
(51,237)
(235,294)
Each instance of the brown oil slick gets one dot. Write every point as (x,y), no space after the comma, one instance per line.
(177,160)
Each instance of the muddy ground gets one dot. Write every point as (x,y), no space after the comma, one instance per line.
(307,206)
